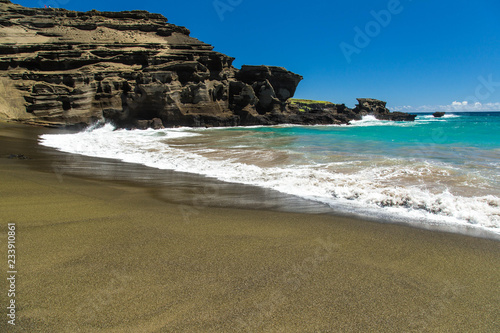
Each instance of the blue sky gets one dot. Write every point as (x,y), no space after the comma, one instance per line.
(418,55)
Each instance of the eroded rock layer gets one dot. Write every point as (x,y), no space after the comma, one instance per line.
(67,68)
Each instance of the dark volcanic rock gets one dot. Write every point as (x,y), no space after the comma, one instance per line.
(324,112)
(272,85)
(370,106)
(66,68)
(438,114)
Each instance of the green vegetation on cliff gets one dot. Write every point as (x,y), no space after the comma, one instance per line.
(305,105)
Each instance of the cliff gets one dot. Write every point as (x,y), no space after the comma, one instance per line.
(66,68)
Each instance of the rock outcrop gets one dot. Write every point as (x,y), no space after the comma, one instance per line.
(438,114)
(370,106)
(321,112)
(65,68)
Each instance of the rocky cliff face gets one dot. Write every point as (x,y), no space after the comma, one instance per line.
(64,68)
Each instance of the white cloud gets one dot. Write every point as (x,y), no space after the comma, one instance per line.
(453,107)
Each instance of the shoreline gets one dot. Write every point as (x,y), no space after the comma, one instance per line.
(111,255)
(220,193)
(211,193)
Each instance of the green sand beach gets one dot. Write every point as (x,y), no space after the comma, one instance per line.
(98,255)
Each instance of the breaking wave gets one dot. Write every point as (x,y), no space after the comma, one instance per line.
(393,188)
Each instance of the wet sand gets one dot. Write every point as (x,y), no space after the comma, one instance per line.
(103,254)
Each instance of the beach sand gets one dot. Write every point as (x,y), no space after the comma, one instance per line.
(97,255)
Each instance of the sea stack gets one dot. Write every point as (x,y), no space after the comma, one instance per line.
(438,114)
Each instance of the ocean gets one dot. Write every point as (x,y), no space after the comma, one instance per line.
(432,173)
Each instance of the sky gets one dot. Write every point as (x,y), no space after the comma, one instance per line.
(418,55)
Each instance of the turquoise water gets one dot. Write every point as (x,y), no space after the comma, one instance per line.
(455,138)
(434,171)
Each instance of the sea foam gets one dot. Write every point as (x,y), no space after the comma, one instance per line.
(392,189)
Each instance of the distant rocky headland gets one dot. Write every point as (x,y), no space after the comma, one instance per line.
(63,68)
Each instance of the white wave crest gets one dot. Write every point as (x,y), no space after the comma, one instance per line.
(370,120)
(369,188)
(431,117)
